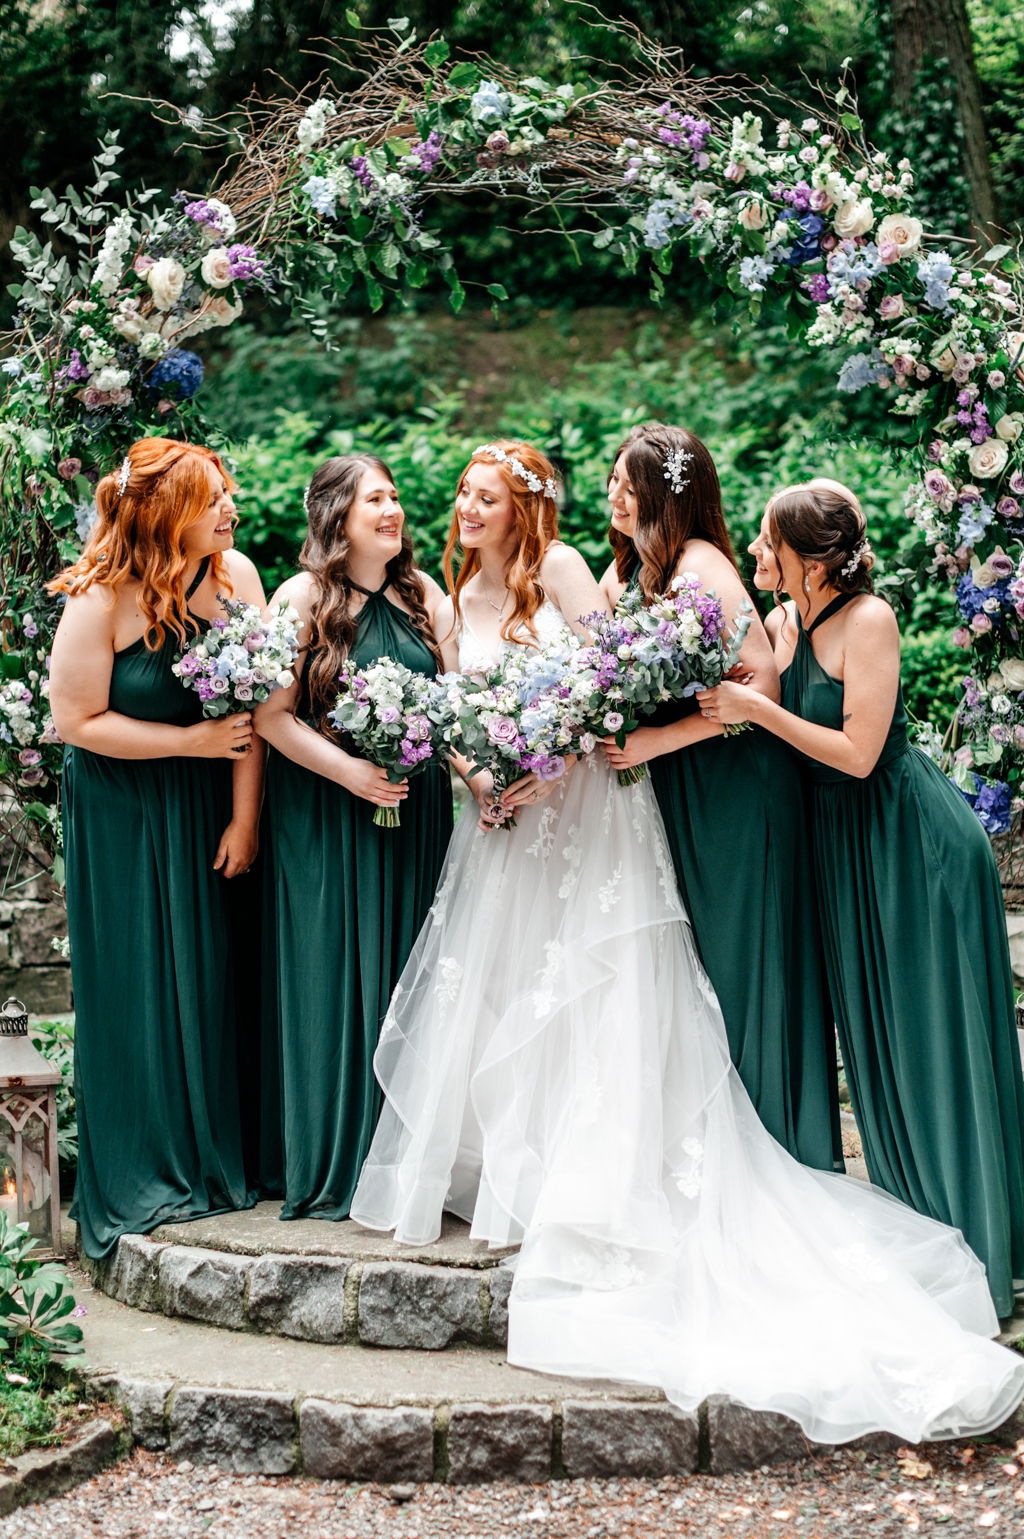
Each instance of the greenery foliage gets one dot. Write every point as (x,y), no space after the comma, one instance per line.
(30,1409)
(36,1301)
(56,1041)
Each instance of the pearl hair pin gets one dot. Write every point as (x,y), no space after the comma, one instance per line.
(856,557)
(123,474)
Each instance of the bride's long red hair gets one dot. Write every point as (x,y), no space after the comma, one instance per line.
(138,532)
(536,529)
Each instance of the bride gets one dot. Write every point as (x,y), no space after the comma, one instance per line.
(556,1072)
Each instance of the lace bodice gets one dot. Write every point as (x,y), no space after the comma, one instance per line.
(549,623)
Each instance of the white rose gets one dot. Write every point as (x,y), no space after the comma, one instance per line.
(1012,670)
(1001,706)
(753,215)
(945,356)
(222,312)
(988,459)
(854,217)
(285,678)
(225,218)
(216,267)
(905,230)
(166,278)
(128,326)
(1010,426)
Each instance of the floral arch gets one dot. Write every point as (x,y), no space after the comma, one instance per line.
(324,194)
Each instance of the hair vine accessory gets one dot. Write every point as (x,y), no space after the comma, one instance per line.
(518,469)
(123,474)
(675,463)
(856,557)
(305,500)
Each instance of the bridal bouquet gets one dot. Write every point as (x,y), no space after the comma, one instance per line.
(400,720)
(240,661)
(520,717)
(642,656)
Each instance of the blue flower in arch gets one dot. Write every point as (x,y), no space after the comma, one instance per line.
(179,373)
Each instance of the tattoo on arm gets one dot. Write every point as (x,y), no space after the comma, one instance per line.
(847,717)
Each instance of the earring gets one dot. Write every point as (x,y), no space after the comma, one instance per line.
(807,584)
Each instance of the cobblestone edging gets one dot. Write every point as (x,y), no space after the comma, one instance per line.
(47,1472)
(274,1433)
(326,1299)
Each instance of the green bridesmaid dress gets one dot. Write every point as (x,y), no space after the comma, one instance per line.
(156,1072)
(737,825)
(346,900)
(919,968)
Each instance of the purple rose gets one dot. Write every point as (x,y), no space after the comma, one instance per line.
(1017,484)
(388,714)
(31,777)
(962,637)
(996,380)
(502,731)
(188,665)
(1006,507)
(29,757)
(254,641)
(981,622)
(1001,565)
(68,469)
(935,450)
(551,767)
(936,485)
(219,686)
(613,721)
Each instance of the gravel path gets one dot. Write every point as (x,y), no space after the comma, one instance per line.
(956,1487)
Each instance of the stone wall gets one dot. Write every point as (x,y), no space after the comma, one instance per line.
(32,915)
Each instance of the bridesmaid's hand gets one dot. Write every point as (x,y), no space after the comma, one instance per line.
(481,787)
(371,783)
(728,703)
(641,746)
(226,737)
(237,849)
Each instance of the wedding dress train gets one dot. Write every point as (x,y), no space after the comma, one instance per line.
(556,1071)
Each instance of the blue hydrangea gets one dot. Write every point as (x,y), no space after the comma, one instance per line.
(805,233)
(974,520)
(179,373)
(488,103)
(936,272)
(861,370)
(755,272)
(321,194)
(845,268)
(991,804)
(972,599)
(663,216)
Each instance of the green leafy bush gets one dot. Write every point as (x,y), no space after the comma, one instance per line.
(931,667)
(56,1041)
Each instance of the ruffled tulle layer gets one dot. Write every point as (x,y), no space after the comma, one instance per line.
(556,1072)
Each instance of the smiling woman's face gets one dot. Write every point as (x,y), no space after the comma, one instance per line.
(777,565)
(622,498)
(215,529)
(484,508)
(375,520)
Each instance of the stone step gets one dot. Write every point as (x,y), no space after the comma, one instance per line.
(266,1404)
(333,1283)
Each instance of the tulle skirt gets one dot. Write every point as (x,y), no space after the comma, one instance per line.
(556,1071)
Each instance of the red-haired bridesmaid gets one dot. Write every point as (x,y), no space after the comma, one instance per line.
(159,807)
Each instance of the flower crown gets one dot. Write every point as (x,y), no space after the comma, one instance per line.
(518,469)
(123,474)
(857,555)
(675,462)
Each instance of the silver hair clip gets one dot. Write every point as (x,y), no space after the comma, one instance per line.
(305,501)
(518,469)
(856,557)
(675,462)
(123,474)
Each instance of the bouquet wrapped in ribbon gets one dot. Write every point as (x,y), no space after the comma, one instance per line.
(520,718)
(642,656)
(400,720)
(239,662)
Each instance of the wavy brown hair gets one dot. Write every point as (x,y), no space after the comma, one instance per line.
(823,520)
(324,556)
(138,532)
(536,529)
(667,520)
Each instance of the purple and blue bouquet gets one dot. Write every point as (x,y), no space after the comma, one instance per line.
(400,720)
(521,717)
(643,655)
(239,662)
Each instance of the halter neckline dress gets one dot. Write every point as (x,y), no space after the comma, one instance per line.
(915,942)
(344,902)
(156,1072)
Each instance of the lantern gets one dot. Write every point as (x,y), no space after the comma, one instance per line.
(29,1168)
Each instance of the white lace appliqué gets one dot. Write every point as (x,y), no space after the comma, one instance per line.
(545,839)
(439,908)
(448,984)
(573,853)
(544,996)
(856,1260)
(607,895)
(390,1020)
(688,1180)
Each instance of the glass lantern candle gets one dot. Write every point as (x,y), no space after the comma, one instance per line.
(29,1168)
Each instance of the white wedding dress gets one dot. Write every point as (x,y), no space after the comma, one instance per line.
(556,1071)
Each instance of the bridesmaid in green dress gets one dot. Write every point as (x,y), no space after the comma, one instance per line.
(345,898)
(155,818)
(734,809)
(911,902)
